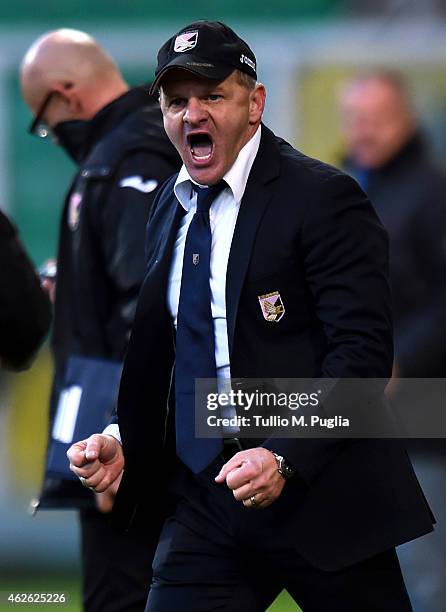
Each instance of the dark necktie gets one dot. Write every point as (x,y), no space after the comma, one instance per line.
(195,340)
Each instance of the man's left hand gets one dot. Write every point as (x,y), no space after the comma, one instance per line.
(252,475)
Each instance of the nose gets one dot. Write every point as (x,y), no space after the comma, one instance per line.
(195,112)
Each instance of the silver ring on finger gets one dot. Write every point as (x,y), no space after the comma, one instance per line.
(252,499)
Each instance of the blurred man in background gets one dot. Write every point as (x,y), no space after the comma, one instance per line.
(25,310)
(388,155)
(115,135)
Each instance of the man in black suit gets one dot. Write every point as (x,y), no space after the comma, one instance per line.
(320,517)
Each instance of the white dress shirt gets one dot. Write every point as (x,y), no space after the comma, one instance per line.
(223,216)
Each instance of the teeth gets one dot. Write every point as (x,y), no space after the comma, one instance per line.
(201,157)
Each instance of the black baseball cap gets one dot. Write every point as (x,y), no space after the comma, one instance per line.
(208,48)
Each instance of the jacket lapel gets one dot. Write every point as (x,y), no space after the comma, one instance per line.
(258,194)
(159,265)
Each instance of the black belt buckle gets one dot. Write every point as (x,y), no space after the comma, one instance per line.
(231,446)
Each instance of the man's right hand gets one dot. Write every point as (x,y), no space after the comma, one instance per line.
(98,461)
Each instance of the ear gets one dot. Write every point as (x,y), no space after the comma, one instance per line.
(257,99)
(70,96)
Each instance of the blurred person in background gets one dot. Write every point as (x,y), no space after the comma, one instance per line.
(115,135)
(25,310)
(390,157)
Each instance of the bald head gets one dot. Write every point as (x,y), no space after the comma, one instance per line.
(378,119)
(70,63)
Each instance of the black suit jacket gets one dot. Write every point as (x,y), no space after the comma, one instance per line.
(306,230)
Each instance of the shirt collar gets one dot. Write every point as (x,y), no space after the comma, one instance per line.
(236,177)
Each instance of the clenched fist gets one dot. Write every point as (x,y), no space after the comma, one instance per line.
(253,477)
(98,461)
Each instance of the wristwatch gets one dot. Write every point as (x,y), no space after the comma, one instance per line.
(283,467)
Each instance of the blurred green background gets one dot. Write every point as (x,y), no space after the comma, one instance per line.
(305,49)
(53,12)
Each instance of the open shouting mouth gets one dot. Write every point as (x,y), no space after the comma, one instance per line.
(201,147)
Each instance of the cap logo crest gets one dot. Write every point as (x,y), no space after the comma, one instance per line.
(186,41)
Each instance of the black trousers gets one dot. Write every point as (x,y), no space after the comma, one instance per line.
(117,567)
(216,555)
